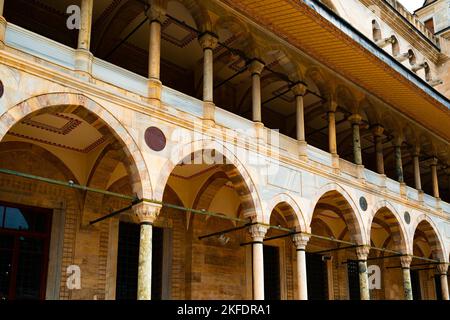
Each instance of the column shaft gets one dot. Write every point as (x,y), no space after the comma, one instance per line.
(363,280)
(417,179)
(2,4)
(258,271)
(355,120)
(379,154)
(208,75)
(154,59)
(300,118)
(407,287)
(301,274)
(145,263)
(256,97)
(362,253)
(258,232)
(332,132)
(84,35)
(398,163)
(444,286)
(434,178)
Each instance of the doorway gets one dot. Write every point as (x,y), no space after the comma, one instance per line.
(316,273)
(128,262)
(24,248)
(272,289)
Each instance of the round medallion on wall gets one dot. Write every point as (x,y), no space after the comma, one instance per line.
(363,203)
(2,90)
(407,217)
(155,139)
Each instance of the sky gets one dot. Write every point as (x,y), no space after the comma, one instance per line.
(411,5)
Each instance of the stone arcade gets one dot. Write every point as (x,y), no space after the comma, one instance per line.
(224,149)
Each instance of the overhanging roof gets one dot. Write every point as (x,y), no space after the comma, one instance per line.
(319,32)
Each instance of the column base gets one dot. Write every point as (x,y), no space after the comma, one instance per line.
(154,92)
(360,172)
(302,150)
(2,31)
(383,178)
(421,196)
(403,192)
(260,132)
(83,63)
(209,113)
(335,163)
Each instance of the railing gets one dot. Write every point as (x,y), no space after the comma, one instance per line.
(58,55)
(414,21)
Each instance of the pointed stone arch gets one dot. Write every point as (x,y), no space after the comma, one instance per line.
(424,224)
(394,223)
(340,198)
(291,211)
(233,168)
(86,107)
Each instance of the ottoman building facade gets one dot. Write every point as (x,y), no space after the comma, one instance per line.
(224,149)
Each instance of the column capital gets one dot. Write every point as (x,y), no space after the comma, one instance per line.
(377,130)
(299,89)
(146,212)
(362,252)
(258,232)
(157,12)
(330,106)
(256,66)
(405,261)
(442,268)
(434,161)
(355,119)
(208,40)
(300,241)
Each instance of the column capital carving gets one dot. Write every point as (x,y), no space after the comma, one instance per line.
(433,161)
(157,11)
(208,40)
(355,119)
(442,268)
(330,106)
(377,130)
(299,89)
(405,261)
(146,212)
(300,241)
(258,232)
(362,252)
(256,66)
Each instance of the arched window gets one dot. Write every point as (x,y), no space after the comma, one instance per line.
(376,31)
(395,46)
(412,57)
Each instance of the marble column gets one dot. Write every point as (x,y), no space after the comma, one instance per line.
(258,232)
(208,41)
(83,56)
(378,137)
(157,15)
(299,91)
(256,67)
(406,272)
(355,120)
(300,242)
(84,35)
(332,132)
(2,5)
(416,165)
(398,161)
(434,177)
(362,253)
(146,214)
(443,268)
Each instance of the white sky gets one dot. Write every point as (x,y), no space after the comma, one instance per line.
(412,5)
